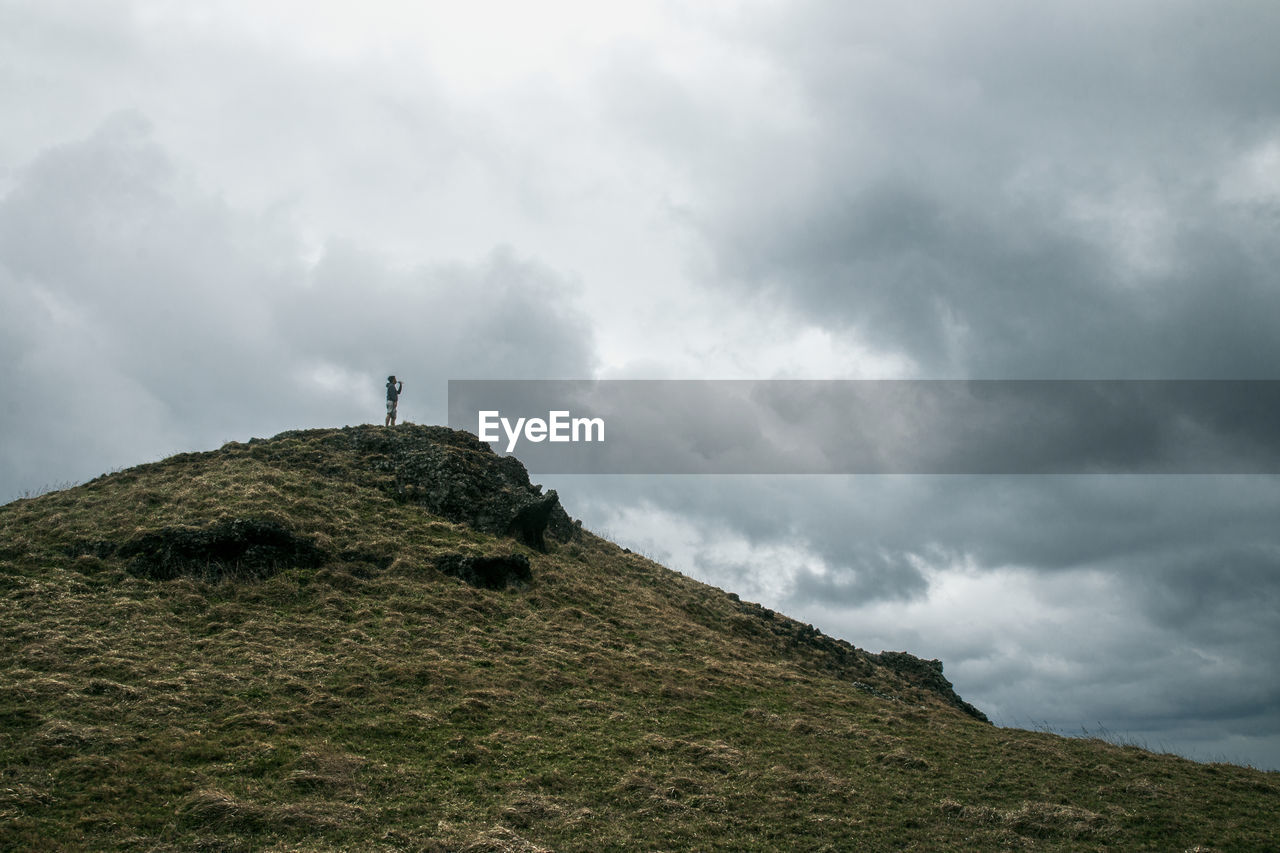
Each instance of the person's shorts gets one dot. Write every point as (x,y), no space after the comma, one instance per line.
(391,407)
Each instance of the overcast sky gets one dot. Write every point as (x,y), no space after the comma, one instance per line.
(227,219)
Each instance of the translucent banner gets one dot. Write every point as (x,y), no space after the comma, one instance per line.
(904,426)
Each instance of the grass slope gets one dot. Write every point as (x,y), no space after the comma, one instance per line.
(373,703)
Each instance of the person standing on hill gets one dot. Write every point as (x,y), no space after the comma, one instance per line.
(393,398)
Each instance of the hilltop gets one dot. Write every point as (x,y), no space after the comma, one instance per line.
(388,639)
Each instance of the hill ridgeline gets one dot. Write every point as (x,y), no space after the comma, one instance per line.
(389,639)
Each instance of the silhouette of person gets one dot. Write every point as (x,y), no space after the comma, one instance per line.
(393,398)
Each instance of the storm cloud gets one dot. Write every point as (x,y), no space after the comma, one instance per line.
(1058,191)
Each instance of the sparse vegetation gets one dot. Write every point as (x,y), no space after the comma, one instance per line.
(365,700)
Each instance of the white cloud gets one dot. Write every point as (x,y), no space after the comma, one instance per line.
(149,317)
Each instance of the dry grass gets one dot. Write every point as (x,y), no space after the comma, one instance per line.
(374,704)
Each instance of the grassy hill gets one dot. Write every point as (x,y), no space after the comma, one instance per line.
(371,639)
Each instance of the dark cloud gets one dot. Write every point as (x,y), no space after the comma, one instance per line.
(861,574)
(1004,192)
(987,287)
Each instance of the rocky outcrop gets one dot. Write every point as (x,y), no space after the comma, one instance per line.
(492,572)
(453,474)
(242,548)
(926,674)
(477,487)
(846,660)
